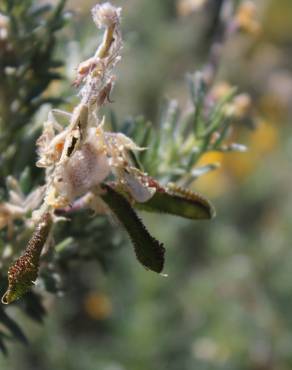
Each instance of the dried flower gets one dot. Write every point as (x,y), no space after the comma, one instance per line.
(86,168)
(239,107)
(106,15)
(82,155)
(51,143)
(18,204)
(220,89)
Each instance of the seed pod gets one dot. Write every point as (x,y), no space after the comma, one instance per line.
(149,251)
(23,273)
(179,201)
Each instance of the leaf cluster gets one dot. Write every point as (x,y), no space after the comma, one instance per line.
(27,67)
(178,141)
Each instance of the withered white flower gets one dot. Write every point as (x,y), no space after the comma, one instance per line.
(18,205)
(139,190)
(106,15)
(81,156)
(101,154)
(86,168)
(50,144)
(96,72)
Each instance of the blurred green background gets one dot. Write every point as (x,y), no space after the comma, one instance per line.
(227,300)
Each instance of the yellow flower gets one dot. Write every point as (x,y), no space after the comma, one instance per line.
(214,183)
(265,138)
(262,141)
(97,306)
(246,18)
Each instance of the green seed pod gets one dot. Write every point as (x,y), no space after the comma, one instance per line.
(178,201)
(23,273)
(149,251)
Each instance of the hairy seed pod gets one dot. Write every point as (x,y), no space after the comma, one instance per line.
(23,273)
(190,195)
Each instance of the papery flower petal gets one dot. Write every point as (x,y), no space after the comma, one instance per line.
(105,15)
(140,192)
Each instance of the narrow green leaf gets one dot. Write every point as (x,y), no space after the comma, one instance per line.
(146,138)
(113,120)
(217,116)
(13,327)
(32,305)
(202,170)
(148,250)
(198,90)
(135,160)
(38,11)
(3,347)
(25,180)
